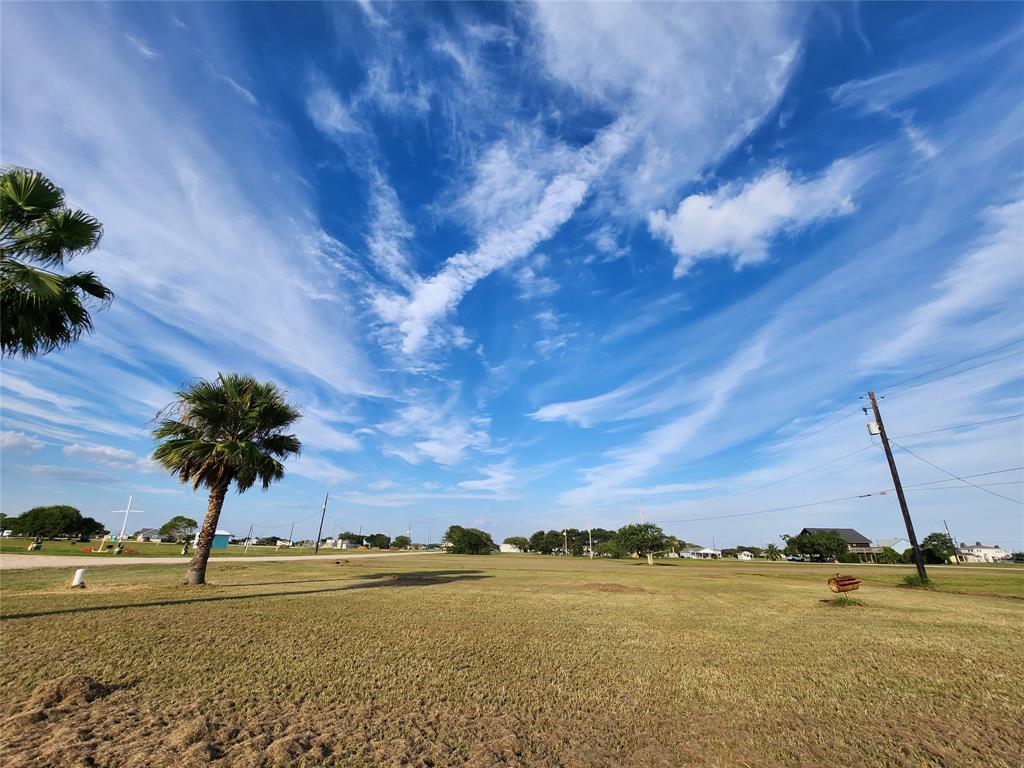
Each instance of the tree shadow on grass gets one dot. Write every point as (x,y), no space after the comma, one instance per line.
(369,581)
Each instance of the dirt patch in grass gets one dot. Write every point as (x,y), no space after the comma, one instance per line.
(606,586)
(67,690)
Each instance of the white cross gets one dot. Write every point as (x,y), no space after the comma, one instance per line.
(120,536)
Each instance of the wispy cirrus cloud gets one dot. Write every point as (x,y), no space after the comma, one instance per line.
(142,47)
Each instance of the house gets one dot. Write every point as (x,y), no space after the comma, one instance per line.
(148,534)
(510,548)
(900,545)
(981,553)
(690,553)
(856,543)
(707,553)
(744,556)
(220,539)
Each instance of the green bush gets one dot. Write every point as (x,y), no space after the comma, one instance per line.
(916,582)
(849,557)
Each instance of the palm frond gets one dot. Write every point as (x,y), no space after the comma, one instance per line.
(43,311)
(228,429)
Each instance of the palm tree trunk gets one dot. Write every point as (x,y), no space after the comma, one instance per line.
(197,567)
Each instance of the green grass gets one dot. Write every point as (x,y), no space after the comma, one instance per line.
(512,660)
(19,546)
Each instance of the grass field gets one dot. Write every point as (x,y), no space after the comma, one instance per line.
(19,546)
(512,660)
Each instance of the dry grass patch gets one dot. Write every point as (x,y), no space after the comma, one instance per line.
(511,661)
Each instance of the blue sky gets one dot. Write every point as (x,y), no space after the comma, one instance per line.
(524,266)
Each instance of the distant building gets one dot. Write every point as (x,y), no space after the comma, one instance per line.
(744,556)
(899,545)
(707,553)
(981,553)
(690,553)
(148,534)
(220,539)
(512,548)
(856,543)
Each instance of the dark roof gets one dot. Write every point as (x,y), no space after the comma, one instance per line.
(848,535)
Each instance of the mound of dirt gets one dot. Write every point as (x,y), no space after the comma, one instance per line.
(70,689)
(603,586)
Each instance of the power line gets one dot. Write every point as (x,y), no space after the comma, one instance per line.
(932,464)
(798,435)
(881,492)
(961,426)
(957,487)
(962,370)
(957,362)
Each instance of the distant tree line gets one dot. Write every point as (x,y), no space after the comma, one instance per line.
(54,522)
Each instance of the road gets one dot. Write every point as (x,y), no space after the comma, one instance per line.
(24,562)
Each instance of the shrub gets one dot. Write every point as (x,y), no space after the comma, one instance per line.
(848,557)
(916,582)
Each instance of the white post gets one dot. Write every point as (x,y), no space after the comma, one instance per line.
(78,581)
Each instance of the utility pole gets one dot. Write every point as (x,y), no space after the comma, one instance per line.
(319,532)
(248,537)
(565,535)
(956,556)
(641,505)
(590,535)
(918,559)
(291,533)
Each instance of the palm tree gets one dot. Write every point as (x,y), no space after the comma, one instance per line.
(224,431)
(43,310)
(772,552)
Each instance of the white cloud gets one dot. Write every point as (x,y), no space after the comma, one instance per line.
(108,456)
(990,276)
(531,283)
(320,469)
(435,433)
(390,233)
(241,90)
(635,460)
(328,112)
(667,129)
(100,454)
(741,222)
(498,479)
(19,442)
(140,45)
(70,474)
(694,78)
(434,298)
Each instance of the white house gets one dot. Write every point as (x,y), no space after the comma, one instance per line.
(708,554)
(981,553)
(744,556)
(510,548)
